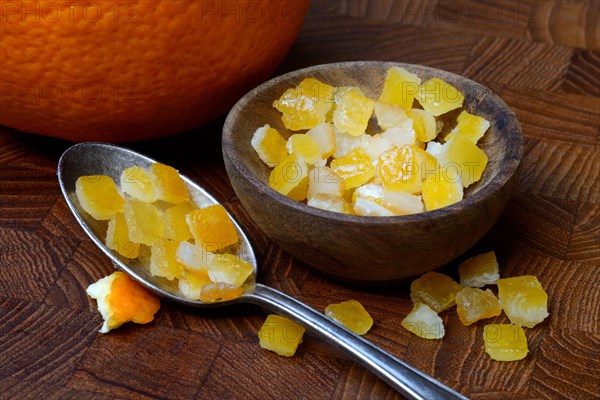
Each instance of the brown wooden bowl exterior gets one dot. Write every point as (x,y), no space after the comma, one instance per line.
(371,250)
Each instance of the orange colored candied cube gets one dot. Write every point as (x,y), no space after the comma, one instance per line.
(176,227)
(479,271)
(438,97)
(470,126)
(424,322)
(400,88)
(136,182)
(353,112)
(163,262)
(117,237)
(193,258)
(306,105)
(464,156)
(215,292)
(121,299)
(212,228)
(280,335)
(269,145)
(475,304)
(288,175)
(355,168)
(523,300)
(399,169)
(505,342)
(352,315)
(192,283)
(230,269)
(436,290)
(144,222)
(98,196)
(168,185)
(300,192)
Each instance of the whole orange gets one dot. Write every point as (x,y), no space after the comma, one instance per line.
(116,70)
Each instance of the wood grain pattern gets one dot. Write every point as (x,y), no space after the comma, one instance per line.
(542,57)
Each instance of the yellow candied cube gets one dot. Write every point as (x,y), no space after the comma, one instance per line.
(168,185)
(306,105)
(505,342)
(215,292)
(424,124)
(280,335)
(441,189)
(163,261)
(470,126)
(269,145)
(194,258)
(299,192)
(463,156)
(136,182)
(212,228)
(117,237)
(436,290)
(98,196)
(438,97)
(304,146)
(325,139)
(479,271)
(230,269)
(399,169)
(353,112)
(192,283)
(176,227)
(330,202)
(371,208)
(289,174)
(144,222)
(344,142)
(401,136)
(377,145)
(475,304)
(523,300)
(322,180)
(355,168)
(352,315)
(390,115)
(424,322)
(400,88)
(403,203)
(121,299)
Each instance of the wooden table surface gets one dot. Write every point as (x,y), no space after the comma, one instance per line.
(542,57)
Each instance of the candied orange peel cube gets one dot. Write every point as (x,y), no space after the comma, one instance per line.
(355,168)
(352,315)
(353,112)
(176,227)
(269,145)
(523,300)
(399,169)
(117,237)
(98,196)
(479,270)
(436,290)
(212,228)
(136,182)
(470,126)
(400,88)
(163,261)
(144,222)
(217,292)
(330,202)
(280,335)
(424,322)
(438,97)
(304,146)
(462,154)
(505,342)
(230,269)
(168,185)
(325,139)
(306,105)
(424,124)
(289,174)
(474,304)
(441,190)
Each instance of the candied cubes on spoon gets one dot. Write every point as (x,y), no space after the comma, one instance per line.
(191,284)
(98,196)
(424,322)
(355,168)
(505,342)
(306,105)
(474,304)
(269,145)
(400,88)
(352,315)
(438,97)
(168,185)
(436,290)
(280,335)
(219,291)
(230,269)
(212,228)
(144,222)
(479,271)
(163,261)
(176,227)
(117,237)
(523,300)
(136,182)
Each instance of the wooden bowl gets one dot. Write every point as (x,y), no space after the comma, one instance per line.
(371,250)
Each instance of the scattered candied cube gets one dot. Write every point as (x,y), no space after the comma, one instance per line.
(352,315)
(505,342)
(403,203)
(163,261)
(269,145)
(136,182)
(441,190)
(399,169)
(424,322)
(475,304)
(353,112)
(479,271)
(288,174)
(400,88)
(466,156)
(280,335)
(192,283)
(168,185)
(304,146)
(322,180)
(216,292)
(144,222)
(390,115)
(98,196)
(345,143)
(193,258)
(176,227)
(117,237)
(227,268)
(330,202)
(523,299)
(325,139)
(212,228)
(306,105)
(436,290)
(377,145)
(355,168)
(438,97)
(424,124)
(470,126)
(121,299)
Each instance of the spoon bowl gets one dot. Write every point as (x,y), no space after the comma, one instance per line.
(104,159)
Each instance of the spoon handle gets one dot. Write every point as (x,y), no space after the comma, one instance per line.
(407,380)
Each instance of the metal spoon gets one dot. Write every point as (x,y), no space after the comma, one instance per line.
(106,159)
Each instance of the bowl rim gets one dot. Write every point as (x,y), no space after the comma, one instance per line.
(506,171)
